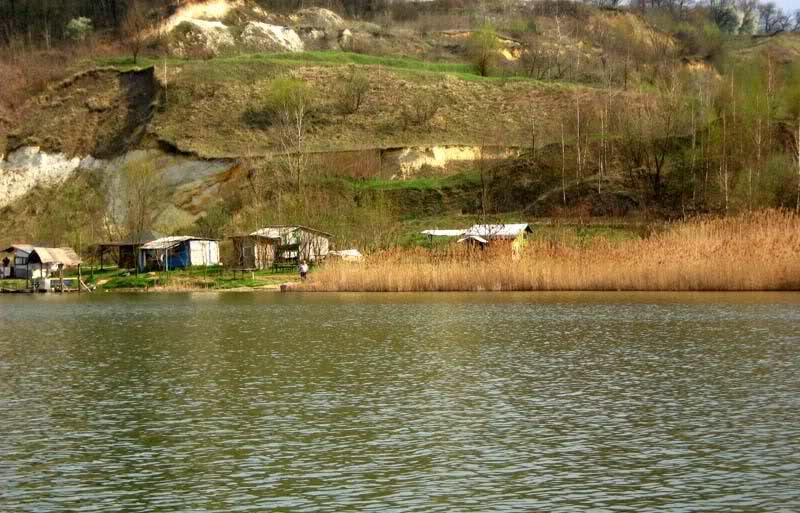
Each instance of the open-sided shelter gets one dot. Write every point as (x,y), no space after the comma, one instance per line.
(44,262)
(125,250)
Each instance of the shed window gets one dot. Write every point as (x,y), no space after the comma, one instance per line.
(20,261)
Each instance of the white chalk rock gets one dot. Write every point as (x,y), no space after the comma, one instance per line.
(271,38)
(27,167)
(193,35)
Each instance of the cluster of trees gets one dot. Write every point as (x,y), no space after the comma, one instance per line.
(695,144)
(46,22)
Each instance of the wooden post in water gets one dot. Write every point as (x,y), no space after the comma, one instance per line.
(80,281)
(61,278)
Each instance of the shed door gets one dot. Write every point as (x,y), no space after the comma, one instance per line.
(199,252)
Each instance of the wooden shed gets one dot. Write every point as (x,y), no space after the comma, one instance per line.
(254,251)
(297,242)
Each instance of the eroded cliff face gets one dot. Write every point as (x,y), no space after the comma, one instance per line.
(28,167)
(100,112)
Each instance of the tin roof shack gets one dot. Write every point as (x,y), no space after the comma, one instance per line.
(254,251)
(17,267)
(297,243)
(486,234)
(125,250)
(179,252)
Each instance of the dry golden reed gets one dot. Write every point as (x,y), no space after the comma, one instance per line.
(755,251)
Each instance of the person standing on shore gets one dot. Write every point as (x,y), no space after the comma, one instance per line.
(303,270)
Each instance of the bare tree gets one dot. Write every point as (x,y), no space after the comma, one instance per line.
(133,28)
(143,193)
(289,105)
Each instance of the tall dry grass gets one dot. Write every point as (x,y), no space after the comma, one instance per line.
(759,251)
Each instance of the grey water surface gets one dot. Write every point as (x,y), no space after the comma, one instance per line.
(483,402)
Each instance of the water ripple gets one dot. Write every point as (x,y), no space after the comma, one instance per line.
(228,403)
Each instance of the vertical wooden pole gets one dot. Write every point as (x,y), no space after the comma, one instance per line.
(61,278)
(80,281)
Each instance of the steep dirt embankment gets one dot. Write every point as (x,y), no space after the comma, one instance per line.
(101,112)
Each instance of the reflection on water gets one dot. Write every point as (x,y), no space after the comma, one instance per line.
(450,402)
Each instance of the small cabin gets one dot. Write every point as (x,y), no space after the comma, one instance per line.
(179,252)
(26,261)
(296,242)
(15,262)
(254,251)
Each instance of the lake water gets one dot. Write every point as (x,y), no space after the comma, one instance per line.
(393,403)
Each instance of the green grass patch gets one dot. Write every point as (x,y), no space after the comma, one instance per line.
(131,282)
(261,65)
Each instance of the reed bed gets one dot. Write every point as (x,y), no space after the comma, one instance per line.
(750,252)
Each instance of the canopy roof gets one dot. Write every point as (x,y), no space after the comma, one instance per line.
(66,256)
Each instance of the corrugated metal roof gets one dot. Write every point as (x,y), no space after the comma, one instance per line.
(497,231)
(171,242)
(277,231)
(444,233)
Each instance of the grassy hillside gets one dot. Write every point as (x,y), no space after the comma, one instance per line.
(216,108)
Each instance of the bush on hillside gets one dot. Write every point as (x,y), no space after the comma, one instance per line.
(421,111)
(482,48)
(288,100)
(352,92)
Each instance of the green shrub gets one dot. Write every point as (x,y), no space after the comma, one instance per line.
(79,29)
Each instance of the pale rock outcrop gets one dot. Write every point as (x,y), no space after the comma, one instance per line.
(319,18)
(201,35)
(346,40)
(264,37)
(27,167)
(411,160)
